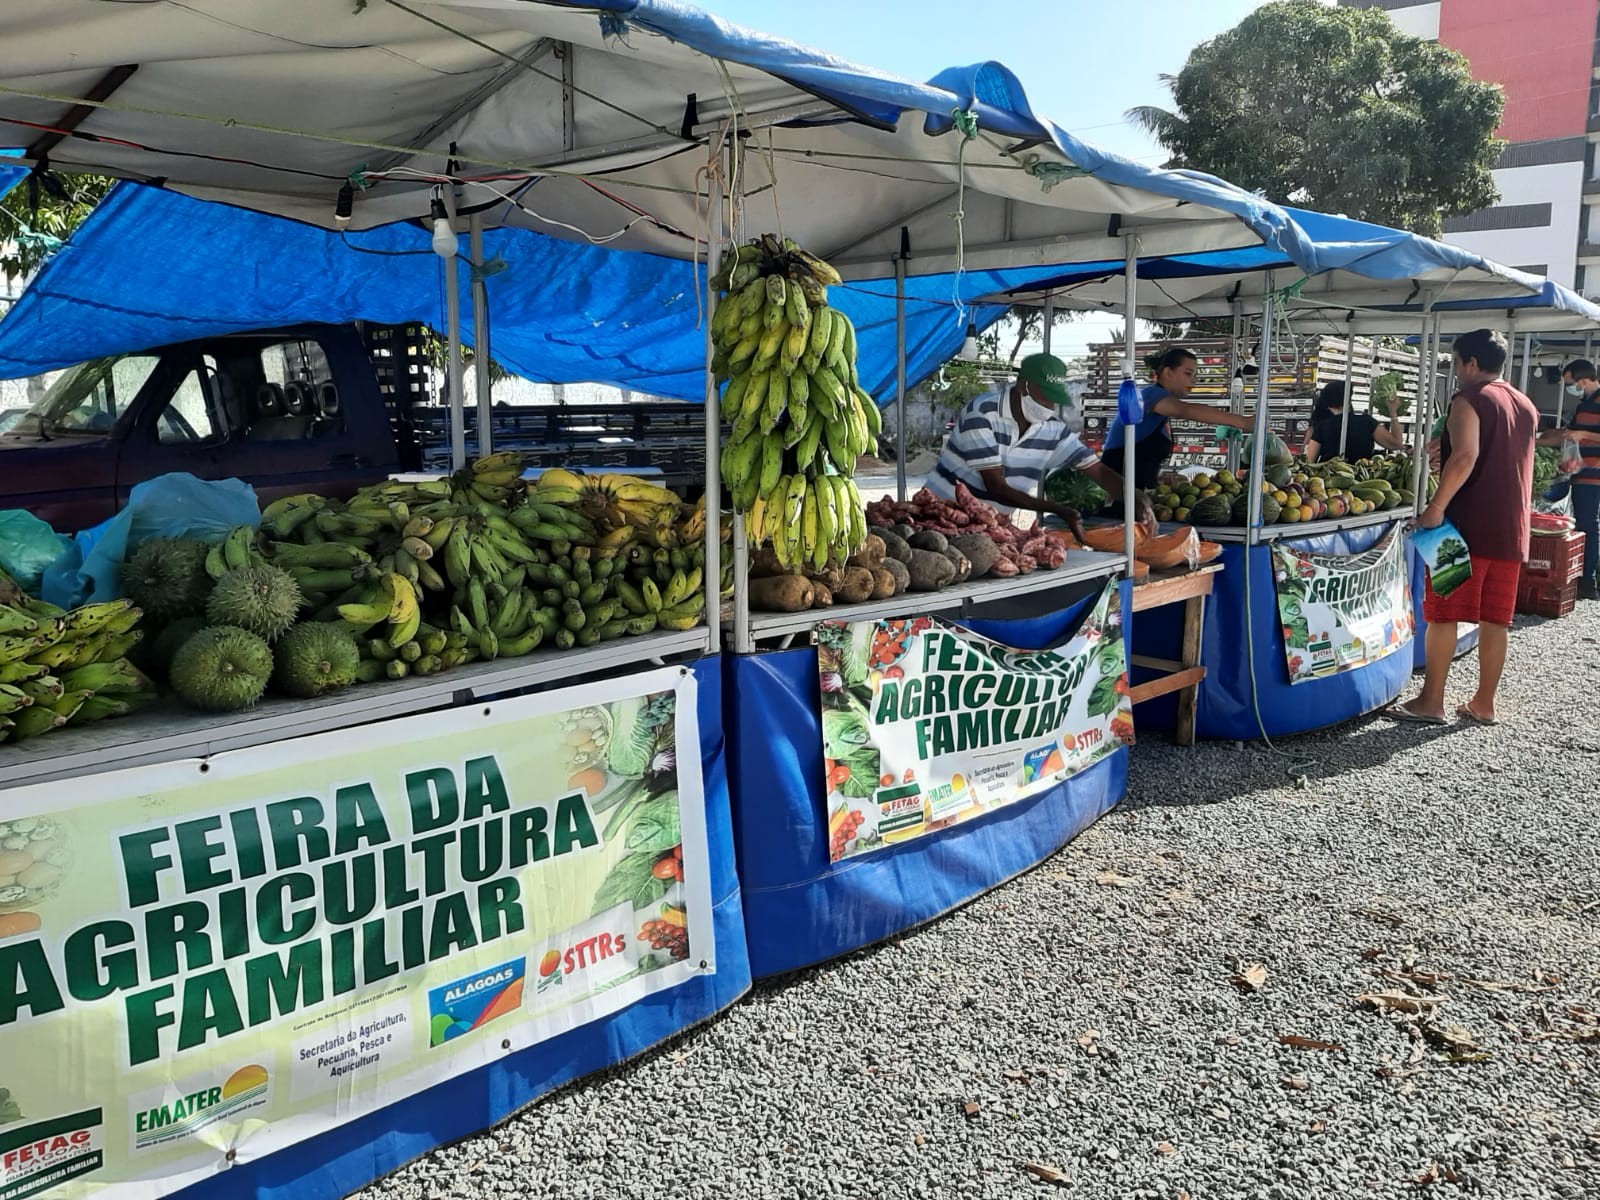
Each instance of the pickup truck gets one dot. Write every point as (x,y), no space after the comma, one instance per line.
(288,411)
(325,408)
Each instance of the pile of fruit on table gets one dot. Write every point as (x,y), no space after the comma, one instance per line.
(1293,492)
(414,578)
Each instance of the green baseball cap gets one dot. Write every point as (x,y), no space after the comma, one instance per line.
(1049,374)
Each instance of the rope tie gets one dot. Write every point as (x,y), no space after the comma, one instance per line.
(966,124)
(613,25)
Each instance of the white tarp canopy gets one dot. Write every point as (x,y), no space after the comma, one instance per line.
(599,121)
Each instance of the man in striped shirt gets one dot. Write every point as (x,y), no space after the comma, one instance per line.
(1578,377)
(1007,441)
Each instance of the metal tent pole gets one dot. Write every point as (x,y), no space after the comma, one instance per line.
(900,365)
(1527,361)
(1130,339)
(452,365)
(1235,365)
(723,228)
(1427,385)
(1349,388)
(480,336)
(1258,456)
(1049,321)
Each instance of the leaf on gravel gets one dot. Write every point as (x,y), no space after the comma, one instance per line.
(1398,1002)
(1109,878)
(1436,1173)
(1382,918)
(1411,978)
(1251,978)
(1046,1172)
(1166,1148)
(1316,1127)
(1089,1040)
(1014,1074)
(1374,952)
(1306,1043)
(971,1108)
(1296,1083)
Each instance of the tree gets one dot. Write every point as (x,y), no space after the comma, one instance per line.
(41,212)
(1336,110)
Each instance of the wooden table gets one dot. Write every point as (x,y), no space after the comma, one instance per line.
(1189,588)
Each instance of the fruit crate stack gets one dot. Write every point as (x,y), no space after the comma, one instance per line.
(1548,586)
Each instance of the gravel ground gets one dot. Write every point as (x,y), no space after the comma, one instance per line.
(1082,1019)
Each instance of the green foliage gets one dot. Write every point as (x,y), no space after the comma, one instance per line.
(34,218)
(1335,109)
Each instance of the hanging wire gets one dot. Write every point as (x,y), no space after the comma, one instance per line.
(966,124)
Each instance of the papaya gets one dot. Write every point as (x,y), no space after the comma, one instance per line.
(1209,552)
(1110,538)
(1170,550)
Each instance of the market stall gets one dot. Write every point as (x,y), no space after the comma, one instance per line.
(1279,657)
(643,109)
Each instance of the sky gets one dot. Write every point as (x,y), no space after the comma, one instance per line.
(1083,64)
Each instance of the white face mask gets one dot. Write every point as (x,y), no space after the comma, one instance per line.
(1574,389)
(1036,412)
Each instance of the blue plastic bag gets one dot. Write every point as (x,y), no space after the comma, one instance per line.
(27,546)
(175,505)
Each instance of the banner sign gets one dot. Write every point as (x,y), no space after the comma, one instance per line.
(203,962)
(926,724)
(1340,612)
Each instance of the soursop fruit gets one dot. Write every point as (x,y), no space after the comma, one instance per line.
(315,658)
(156,655)
(262,598)
(166,577)
(221,669)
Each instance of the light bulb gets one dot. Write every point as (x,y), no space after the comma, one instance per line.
(969,348)
(445,242)
(344,205)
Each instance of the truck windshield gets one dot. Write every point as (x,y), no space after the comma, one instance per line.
(88,399)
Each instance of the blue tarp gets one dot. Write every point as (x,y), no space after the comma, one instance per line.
(152,267)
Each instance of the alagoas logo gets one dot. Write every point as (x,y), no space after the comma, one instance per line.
(39,1157)
(473,1001)
(199,1108)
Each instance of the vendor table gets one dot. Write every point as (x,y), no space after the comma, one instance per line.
(350,1155)
(1246,690)
(800,907)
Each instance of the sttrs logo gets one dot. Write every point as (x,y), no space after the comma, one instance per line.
(587,950)
(42,1156)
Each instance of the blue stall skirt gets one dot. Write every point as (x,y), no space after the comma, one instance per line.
(1225,708)
(801,909)
(342,1160)
(1467,639)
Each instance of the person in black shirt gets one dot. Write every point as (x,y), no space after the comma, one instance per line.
(1361,439)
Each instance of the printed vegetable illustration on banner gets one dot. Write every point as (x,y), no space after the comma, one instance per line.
(1340,612)
(926,725)
(252,949)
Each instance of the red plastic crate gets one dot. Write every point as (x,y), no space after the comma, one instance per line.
(1544,598)
(1554,560)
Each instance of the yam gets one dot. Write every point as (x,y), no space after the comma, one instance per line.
(894,546)
(902,576)
(883,584)
(962,563)
(980,550)
(782,593)
(764,564)
(821,594)
(906,532)
(930,571)
(871,554)
(857,586)
(927,539)
(830,578)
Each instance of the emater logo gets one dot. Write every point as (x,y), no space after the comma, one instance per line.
(41,1156)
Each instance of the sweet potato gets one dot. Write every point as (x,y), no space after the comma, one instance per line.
(883,584)
(821,594)
(857,586)
(902,576)
(980,551)
(928,539)
(930,571)
(782,593)
(962,563)
(871,554)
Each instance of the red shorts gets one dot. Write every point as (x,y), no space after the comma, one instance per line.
(1490,595)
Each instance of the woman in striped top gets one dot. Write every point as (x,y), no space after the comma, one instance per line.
(1007,441)
(1583,424)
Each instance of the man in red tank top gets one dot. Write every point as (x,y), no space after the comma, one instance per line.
(1484,484)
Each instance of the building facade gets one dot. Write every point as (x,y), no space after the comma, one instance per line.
(1544,54)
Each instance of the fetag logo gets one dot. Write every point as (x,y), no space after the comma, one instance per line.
(44,1155)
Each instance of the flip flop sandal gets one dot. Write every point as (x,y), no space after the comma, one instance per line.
(1400,712)
(1466,714)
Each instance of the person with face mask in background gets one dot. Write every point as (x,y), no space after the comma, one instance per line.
(1007,441)
(1173,374)
(1583,426)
